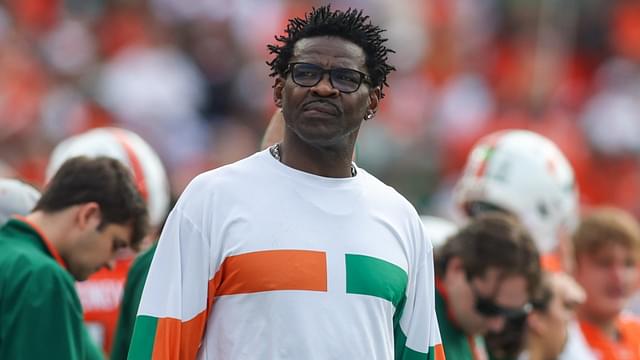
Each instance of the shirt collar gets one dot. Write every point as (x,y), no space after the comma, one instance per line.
(45,240)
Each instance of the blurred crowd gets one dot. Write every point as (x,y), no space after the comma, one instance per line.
(190,77)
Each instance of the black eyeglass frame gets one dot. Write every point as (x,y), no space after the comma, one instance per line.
(485,306)
(362,76)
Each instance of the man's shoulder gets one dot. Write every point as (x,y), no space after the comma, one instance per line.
(28,274)
(630,323)
(385,193)
(24,263)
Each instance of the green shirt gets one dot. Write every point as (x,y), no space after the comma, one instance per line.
(130,301)
(40,312)
(455,342)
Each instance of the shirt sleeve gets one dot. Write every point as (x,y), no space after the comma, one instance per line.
(46,310)
(176,298)
(417,335)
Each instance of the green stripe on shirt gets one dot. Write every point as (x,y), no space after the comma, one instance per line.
(402,352)
(367,275)
(144,334)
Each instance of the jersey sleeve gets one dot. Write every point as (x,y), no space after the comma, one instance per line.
(45,321)
(416,332)
(176,298)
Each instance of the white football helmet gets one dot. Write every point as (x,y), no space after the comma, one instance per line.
(16,198)
(525,174)
(131,150)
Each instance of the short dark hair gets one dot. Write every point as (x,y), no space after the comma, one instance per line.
(103,180)
(493,240)
(350,25)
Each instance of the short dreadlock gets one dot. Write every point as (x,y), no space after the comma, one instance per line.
(350,25)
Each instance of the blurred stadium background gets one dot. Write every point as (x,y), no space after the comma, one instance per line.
(190,77)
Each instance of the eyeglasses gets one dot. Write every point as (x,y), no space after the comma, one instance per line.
(487,307)
(344,80)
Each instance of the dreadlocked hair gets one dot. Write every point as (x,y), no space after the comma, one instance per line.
(350,25)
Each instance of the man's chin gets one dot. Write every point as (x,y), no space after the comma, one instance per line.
(80,276)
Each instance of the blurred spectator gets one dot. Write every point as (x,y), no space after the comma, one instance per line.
(524,174)
(607,250)
(485,275)
(88,212)
(101,294)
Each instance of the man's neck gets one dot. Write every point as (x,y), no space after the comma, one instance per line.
(54,226)
(606,324)
(334,162)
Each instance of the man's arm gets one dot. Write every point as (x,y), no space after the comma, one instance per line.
(417,335)
(177,296)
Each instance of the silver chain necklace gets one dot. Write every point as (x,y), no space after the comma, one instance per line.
(275,152)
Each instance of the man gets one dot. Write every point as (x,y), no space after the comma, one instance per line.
(101,294)
(485,275)
(524,174)
(89,211)
(295,252)
(607,255)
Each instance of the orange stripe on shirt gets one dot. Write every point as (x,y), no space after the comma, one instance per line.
(176,339)
(273,270)
(439,351)
(241,274)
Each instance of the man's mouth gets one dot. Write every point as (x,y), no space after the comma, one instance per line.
(321,107)
(615,292)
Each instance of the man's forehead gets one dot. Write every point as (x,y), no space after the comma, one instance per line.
(121,231)
(612,250)
(328,47)
(495,278)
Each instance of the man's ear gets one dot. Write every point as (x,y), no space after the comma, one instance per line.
(535,323)
(455,269)
(278,87)
(88,215)
(374,99)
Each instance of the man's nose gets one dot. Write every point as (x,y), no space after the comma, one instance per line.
(495,323)
(324,88)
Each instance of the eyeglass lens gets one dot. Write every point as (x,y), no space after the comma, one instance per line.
(489,308)
(344,80)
